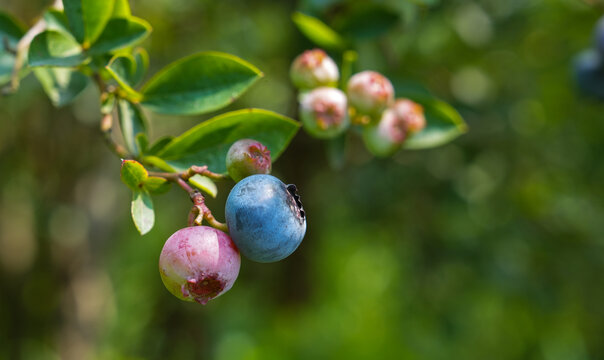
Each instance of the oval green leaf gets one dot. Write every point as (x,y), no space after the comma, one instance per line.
(61,85)
(141,57)
(53,48)
(132,123)
(204,184)
(120,33)
(199,83)
(157,185)
(318,32)
(87,18)
(209,142)
(443,124)
(142,211)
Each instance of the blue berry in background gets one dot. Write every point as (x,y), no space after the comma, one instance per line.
(265,218)
(589,73)
(599,35)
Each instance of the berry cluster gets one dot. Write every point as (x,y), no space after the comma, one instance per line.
(265,219)
(589,65)
(327,112)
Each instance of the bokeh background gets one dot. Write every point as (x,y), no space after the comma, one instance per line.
(491,247)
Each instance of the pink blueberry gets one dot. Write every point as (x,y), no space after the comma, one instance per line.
(324,112)
(370,93)
(411,114)
(314,68)
(199,263)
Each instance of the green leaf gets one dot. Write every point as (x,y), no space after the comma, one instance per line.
(157,185)
(318,32)
(87,18)
(142,142)
(142,64)
(53,48)
(133,174)
(208,142)
(122,69)
(160,144)
(62,85)
(157,162)
(142,211)
(121,9)
(132,123)
(56,20)
(205,184)
(120,33)
(10,31)
(443,124)
(199,83)
(367,21)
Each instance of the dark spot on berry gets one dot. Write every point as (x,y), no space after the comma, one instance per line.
(205,287)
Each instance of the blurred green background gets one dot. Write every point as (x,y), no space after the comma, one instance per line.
(491,247)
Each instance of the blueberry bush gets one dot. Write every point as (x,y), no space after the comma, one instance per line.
(476,246)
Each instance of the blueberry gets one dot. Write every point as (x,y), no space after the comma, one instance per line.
(265,218)
(589,73)
(199,263)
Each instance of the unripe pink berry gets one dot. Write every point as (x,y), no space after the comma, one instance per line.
(385,137)
(370,93)
(324,112)
(247,157)
(199,263)
(314,68)
(411,114)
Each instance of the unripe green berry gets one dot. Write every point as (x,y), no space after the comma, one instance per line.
(247,157)
(370,93)
(324,112)
(314,68)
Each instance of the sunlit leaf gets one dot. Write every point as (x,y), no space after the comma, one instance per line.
(199,83)
(318,32)
(208,142)
(53,48)
(142,211)
(87,18)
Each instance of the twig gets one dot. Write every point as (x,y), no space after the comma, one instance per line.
(199,212)
(106,125)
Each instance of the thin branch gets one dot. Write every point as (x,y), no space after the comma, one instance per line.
(199,212)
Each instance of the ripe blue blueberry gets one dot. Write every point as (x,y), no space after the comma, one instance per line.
(265,218)
(589,73)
